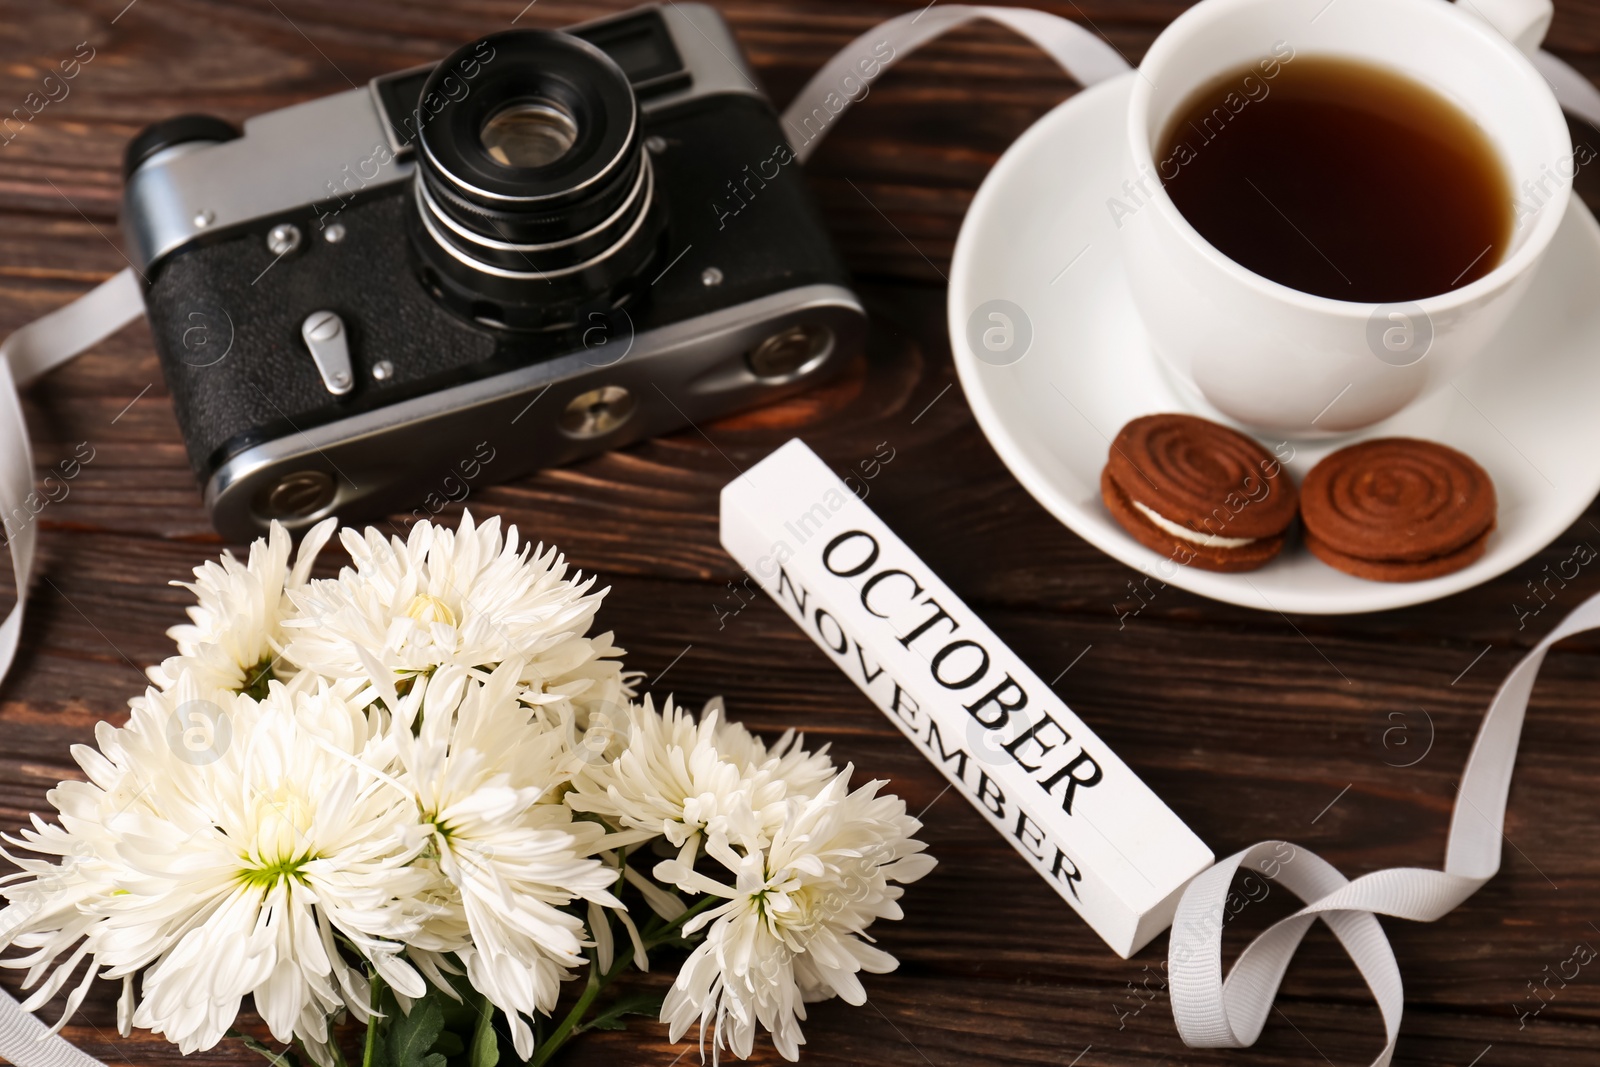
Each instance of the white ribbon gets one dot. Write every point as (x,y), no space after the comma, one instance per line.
(1083,55)
(32,350)
(843,79)
(1208,1010)
(40,346)
(1211,1012)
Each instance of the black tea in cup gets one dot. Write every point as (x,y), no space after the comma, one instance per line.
(1339,178)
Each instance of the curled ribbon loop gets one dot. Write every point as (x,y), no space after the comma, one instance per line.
(1217,1013)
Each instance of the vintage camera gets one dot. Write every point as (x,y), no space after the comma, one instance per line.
(549,244)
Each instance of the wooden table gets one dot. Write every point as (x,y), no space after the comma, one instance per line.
(1251,725)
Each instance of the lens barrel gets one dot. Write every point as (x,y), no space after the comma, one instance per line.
(534,196)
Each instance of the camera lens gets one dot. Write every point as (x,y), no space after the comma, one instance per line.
(534,195)
(532,133)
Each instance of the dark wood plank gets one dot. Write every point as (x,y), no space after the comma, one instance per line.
(1249,724)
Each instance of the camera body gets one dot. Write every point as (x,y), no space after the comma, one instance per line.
(548,245)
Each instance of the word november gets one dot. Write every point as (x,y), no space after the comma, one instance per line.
(1069,806)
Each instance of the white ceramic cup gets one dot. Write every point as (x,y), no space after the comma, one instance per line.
(1283,361)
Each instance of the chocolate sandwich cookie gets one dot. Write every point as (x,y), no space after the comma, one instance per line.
(1198,493)
(1397,510)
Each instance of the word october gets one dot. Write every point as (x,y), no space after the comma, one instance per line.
(961,664)
(1059,796)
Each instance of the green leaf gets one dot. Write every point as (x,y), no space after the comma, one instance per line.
(485,1047)
(460,1016)
(412,1036)
(636,1004)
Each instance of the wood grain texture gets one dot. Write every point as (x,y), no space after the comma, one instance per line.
(1252,726)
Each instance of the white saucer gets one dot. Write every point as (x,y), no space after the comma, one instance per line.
(1040,235)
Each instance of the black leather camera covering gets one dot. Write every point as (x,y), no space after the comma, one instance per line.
(226,313)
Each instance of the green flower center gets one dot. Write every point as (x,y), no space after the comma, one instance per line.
(269,876)
(282,847)
(256,680)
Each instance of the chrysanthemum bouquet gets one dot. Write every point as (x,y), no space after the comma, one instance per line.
(422,796)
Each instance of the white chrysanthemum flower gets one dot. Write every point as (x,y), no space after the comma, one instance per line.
(464,598)
(234,635)
(379,773)
(485,773)
(224,847)
(666,774)
(794,920)
(48,911)
(802,772)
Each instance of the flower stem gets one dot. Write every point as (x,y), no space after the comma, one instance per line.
(571,1025)
(275,1059)
(376,998)
(562,1033)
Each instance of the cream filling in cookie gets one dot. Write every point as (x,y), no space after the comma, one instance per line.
(1185,534)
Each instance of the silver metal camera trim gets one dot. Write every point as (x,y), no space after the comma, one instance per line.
(540,275)
(698,366)
(430,208)
(291,159)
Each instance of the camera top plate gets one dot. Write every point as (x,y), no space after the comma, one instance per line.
(344,146)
